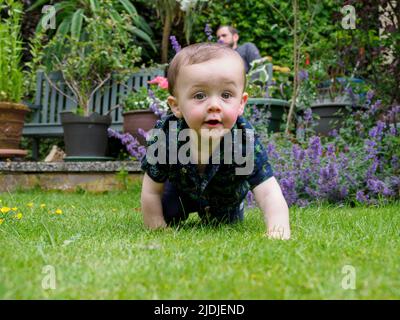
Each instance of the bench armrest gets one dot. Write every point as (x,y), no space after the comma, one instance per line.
(32,106)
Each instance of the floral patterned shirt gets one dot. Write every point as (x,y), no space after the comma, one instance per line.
(219,187)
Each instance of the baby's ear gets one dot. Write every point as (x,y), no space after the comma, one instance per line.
(173,104)
(243,102)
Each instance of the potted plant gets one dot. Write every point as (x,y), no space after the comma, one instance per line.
(105,50)
(142,108)
(267,102)
(330,94)
(12,112)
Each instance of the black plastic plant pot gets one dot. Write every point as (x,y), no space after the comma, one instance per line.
(331,115)
(85,136)
(277,108)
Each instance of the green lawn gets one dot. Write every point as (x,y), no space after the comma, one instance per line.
(99,249)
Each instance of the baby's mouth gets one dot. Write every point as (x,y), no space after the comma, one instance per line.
(213,122)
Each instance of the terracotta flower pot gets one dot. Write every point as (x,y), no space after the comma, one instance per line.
(12,118)
(135,119)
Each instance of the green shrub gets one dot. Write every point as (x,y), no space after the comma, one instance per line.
(11,76)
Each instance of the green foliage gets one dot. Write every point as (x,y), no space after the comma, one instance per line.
(259,23)
(107,49)
(137,100)
(259,85)
(11,75)
(318,86)
(140,100)
(71,14)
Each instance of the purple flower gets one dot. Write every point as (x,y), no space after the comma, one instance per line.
(370,94)
(314,150)
(289,189)
(143,133)
(330,149)
(308,115)
(132,144)
(298,153)
(333,133)
(155,105)
(370,146)
(375,106)
(393,130)
(377,186)
(208,32)
(250,199)
(303,75)
(361,197)
(395,162)
(302,203)
(175,44)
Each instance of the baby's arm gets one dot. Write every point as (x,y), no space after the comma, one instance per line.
(151,203)
(270,199)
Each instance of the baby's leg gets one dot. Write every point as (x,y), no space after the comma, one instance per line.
(175,208)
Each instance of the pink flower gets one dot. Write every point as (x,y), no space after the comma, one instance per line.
(163,84)
(161,81)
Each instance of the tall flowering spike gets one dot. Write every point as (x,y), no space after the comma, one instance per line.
(303,75)
(308,115)
(175,44)
(132,144)
(208,32)
(155,105)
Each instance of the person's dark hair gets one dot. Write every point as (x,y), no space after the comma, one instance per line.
(231,29)
(198,53)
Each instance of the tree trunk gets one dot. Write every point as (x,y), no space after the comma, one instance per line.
(165,37)
(295,65)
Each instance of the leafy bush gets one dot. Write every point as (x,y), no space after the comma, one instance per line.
(257,22)
(107,50)
(11,75)
(70,18)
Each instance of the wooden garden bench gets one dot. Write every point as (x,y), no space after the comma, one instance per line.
(44,120)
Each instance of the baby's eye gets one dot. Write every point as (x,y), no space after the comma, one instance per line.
(226,95)
(199,96)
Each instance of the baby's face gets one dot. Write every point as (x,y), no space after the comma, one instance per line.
(210,95)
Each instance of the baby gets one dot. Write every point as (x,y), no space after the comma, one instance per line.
(207,99)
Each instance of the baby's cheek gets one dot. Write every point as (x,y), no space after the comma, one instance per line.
(194,118)
(231,117)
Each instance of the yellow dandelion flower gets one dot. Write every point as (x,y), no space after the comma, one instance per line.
(14,209)
(18,216)
(30,204)
(285,70)
(58,211)
(1,221)
(42,205)
(113,209)
(5,209)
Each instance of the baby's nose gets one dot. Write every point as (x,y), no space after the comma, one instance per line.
(214,106)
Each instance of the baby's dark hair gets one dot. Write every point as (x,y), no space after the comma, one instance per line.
(198,53)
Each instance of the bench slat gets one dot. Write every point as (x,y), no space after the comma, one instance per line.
(45,103)
(61,103)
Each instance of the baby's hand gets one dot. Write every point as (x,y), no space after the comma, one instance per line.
(278,233)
